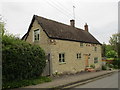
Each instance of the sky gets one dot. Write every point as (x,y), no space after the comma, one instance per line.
(100,15)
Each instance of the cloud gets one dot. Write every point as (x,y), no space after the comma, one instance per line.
(101,17)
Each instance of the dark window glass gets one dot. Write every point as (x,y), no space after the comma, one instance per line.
(61,57)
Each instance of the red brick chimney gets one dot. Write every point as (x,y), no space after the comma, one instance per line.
(86,27)
(72,23)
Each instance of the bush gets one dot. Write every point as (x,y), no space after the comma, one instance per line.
(111,54)
(104,67)
(26,82)
(110,65)
(116,63)
(21,60)
(92,66)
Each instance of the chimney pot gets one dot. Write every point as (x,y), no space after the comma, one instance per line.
(72,23)
(86,27)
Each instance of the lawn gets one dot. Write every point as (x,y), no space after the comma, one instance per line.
(27,82)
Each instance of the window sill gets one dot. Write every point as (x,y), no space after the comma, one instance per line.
(62,63)
(78,59)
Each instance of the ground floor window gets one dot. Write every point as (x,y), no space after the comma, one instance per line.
(96,60)
(78,55)
(61,57)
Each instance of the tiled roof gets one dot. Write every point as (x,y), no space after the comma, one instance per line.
(57,30)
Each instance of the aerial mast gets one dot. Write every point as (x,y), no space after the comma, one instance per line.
(73,12)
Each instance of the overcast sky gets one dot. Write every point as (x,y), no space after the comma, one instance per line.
(100,15)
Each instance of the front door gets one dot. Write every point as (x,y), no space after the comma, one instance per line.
(46,71)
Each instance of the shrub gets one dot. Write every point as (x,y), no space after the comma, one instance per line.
(116,63)
(111,54)
(92,66)
(26,82)
(21,60)
(110,65)
(104,67)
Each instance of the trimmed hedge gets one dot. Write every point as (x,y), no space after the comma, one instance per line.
(26,82)
(21,60)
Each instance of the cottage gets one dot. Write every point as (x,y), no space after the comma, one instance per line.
(69,49)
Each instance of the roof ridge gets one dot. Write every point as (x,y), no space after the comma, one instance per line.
(53,30)
(59,22)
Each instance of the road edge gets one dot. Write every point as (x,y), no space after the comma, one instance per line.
(84,81)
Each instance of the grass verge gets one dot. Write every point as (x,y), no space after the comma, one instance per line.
(22,83)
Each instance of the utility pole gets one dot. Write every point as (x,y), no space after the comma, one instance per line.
(73,12)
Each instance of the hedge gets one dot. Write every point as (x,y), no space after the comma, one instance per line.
(21,60)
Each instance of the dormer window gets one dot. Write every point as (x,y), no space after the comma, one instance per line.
(36,35)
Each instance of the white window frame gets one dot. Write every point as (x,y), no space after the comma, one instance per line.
(61,57)
(38,33)
(95,59)
(78,55)
(81,44)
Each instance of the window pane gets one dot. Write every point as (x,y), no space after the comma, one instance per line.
(35,37)
(95,48)
(77,56)
(63,55)
(81,44)
(59,57)
(63,60)
(96,60)
(36,34)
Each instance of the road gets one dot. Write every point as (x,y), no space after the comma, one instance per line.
(107,82)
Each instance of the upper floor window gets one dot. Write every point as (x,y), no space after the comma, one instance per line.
(61,57)
(96,60)
(95,48)
(36,35)
(78,55)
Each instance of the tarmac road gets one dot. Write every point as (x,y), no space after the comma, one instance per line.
(107,82)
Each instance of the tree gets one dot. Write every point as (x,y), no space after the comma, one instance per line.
(105,49)
(2,27)
(115,43)
(111,54)
(2,30)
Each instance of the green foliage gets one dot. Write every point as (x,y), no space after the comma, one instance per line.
(111,54)
(103,49)
(26,82)
(109,48)
(106,49)
(110,65)
(21,60)
(116,63)
(104,67)
(2,29)
(115,43)
(92,66)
